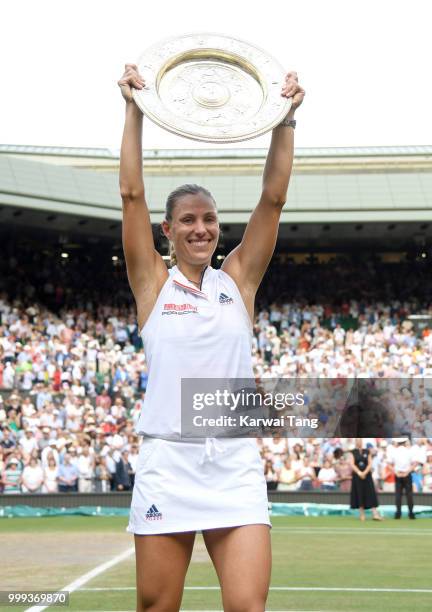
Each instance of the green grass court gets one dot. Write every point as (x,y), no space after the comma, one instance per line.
(318,563)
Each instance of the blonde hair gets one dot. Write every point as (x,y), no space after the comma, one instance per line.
(172,254)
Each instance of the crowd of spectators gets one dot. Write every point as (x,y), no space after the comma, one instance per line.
(73,374)
(304,464)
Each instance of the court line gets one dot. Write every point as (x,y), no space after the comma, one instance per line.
(76,584)
(341,589)
(335,589)
(361,530)
(381,525)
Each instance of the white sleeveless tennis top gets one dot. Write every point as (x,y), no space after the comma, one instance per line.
(192,333)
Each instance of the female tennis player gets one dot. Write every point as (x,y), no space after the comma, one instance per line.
(196,322)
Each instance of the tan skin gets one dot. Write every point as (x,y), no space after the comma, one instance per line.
(241,555)
(362,474)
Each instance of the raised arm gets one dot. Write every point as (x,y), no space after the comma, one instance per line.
(146,269)
(247,263)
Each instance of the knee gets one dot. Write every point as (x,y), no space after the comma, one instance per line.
(157,602)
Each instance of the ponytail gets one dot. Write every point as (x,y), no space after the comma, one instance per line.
(172,254)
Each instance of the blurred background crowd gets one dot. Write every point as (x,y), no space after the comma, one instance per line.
(73,373)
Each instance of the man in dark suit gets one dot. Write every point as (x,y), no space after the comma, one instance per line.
(122,479)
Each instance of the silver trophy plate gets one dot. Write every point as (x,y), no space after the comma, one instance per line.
(212,88)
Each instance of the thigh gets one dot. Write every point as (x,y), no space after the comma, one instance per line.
(242,559)
(161,565)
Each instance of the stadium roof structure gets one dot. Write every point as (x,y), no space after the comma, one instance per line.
(72,187)
(92,152)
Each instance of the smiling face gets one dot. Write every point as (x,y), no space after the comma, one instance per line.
(193,229)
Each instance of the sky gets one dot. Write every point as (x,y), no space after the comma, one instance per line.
(365,66)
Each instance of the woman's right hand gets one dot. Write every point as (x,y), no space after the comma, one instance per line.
(131,78)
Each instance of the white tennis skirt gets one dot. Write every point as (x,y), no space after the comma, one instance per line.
(193,486)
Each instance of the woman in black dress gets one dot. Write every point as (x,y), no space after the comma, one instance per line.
(363,495)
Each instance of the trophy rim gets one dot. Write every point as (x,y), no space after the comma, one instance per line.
(150,104)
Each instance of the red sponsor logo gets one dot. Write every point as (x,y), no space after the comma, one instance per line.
(179,308)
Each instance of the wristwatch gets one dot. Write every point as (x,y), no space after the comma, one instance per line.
(288,123)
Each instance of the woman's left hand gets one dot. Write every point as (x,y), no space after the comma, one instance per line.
(292,89)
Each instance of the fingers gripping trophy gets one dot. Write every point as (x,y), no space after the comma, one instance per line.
(213,89)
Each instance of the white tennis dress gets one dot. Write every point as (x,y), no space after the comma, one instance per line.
(196,484)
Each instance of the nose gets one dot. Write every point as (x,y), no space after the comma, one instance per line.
(200,228)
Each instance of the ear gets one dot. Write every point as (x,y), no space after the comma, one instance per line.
(166,229)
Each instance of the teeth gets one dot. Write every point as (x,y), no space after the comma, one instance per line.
(199,242)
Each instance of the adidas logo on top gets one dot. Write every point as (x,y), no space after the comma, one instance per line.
(153,514)
(225,299)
